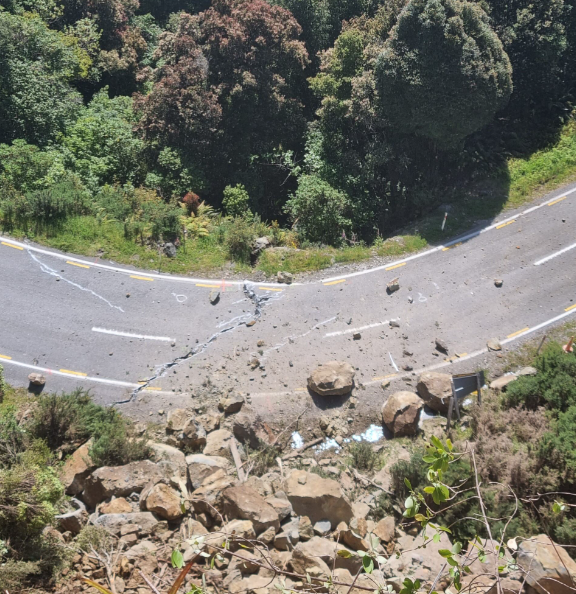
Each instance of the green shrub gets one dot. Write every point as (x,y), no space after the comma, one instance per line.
(383,507)
(75,418)
(558,446)
(318,211)
(239,240)
(235,201)
(414,470)
(2,385)
(13,440)
(363,457)
(553,387)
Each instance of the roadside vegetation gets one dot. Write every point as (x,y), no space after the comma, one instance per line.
(127,126)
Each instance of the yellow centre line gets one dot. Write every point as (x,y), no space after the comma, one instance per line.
(6,357)
(152,388)
(514,334)
(78,373)
(390,375)
(301,390)
(455,357)
(336,282)
(16,247)
(269,289)
(556,201)
(208,286)
(397,266)
(505,224)
(144,278)
(452,246)
(76,264)
(570,308)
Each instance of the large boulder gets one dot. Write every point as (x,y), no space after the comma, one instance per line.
(164,501)
(245,503)
(401,413)
(204,499)
(317,498)
(334,378)
(200,467)
(118,481)
(218,443)
(145,522)
(435,389)
(192,436)
(249,430)
(76,468)
(549,569)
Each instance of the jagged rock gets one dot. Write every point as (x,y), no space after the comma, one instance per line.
(241,528)
(501,383)
(323,527)
(498,282)
(209,421)
(385,529)
(214,296)
(164,501)
(267,537)
(118,481)
(527,371)
(350,538)
(161,451)
(170,250)
(284,277)
(119,505)
(401,413)
(145,522)
(76,468)
(75,520)
(494,344)
(259,245)
(281,506)
(393,286)
(218,443)
(325,550)
(200,467)
(334,378)
(192,435)
(286,540)
(37,379)
(205,497)
(245,562)
(547,566)
(441,346)
(317,498)
(231,404)
(305,528)
(144,547)
(306,561)
(245,503)
(253,584)
(249,430)
(435,389)
(177,419)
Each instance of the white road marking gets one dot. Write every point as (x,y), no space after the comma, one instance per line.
(450,243)
(168,277)
(131,335)
(180,298)
(556,254)
(351,330)
(394,364)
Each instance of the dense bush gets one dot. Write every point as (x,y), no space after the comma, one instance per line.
(235,201)
(73,417)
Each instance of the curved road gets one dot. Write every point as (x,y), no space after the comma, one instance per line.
(152,341)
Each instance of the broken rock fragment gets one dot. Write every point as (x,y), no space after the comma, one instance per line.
(441,346)
(435,389)
(401,413)
(393,286)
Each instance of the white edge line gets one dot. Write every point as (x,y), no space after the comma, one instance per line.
(450,243)
(130,335)
(351,330)
(168,277)
(555,254)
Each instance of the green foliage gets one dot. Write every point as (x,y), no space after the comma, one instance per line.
(75,418)
(2,385)
(239,239)
(319,211)
(554,386)
(235,201)
(36,66)
(362,455)
(13,440)
(443,58)
(558,446)
(101,146)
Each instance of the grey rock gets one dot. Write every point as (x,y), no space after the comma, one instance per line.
(284,277)
(322,527)
(170,250)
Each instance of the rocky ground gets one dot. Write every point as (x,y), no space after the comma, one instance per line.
(279,518)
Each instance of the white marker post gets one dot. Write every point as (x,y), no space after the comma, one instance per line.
(444,221)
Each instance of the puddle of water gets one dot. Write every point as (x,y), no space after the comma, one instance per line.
(297,441)
(373,434)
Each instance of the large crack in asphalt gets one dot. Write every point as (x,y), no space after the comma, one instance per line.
(258,300)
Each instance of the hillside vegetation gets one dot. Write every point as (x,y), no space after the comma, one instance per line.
(320,124)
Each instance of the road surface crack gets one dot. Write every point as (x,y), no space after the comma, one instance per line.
(259,302)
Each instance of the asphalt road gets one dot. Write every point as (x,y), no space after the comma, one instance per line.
(153,341)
